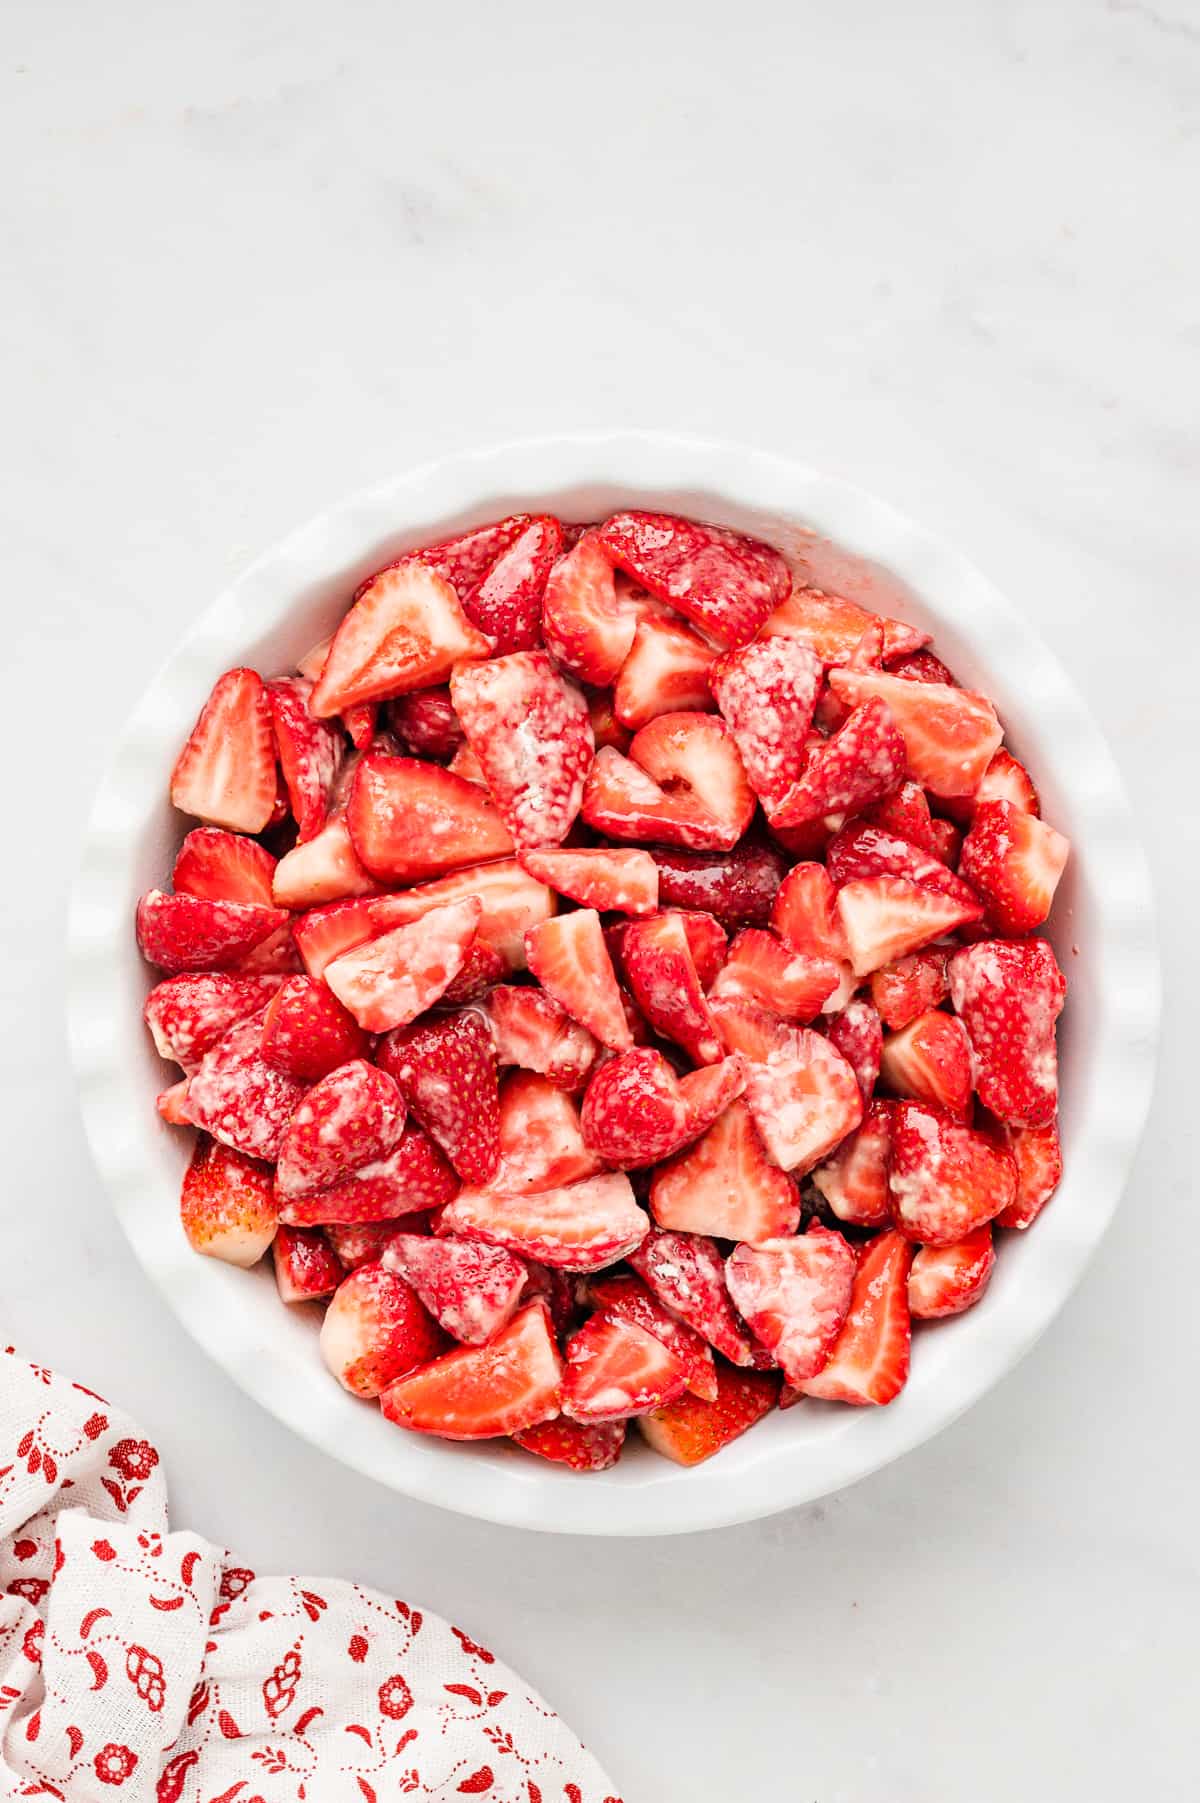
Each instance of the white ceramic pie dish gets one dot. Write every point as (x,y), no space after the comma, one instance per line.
(1103,932)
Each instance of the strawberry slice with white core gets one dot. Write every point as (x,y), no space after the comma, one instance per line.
(885,917)
(311,752)
(446,1068)
(950,735)
(531,731)
(902,990)
(600,877)
(184,933)
(479,1392)
(570,960)
(1007,780)
(241,1099)
(350,1118)
(767,693)
(854,1180)
(323,869)
(805,1099)
(725,582)
(541,1142)
(833,627)
(863,850)
(626,1296)
(405,630)
(869,1361)
(531,1030)
(507,604)
(666,672)
(389,981)
(306,1266)
(725,1185)
(225,774)
(1009,995)
(218,866)
(588,626)
(410,820)
(375,1329)
(307,1032)
(738,890)
(858,1036)
(226,1205)
(581,1227)
(187,1014)
(471,1289)
(413,1177)
(686,1272)
(862,762)
(946,1179)
(634,1112)
(616,1369)
(658,963)
(1015,861)
(690,1430)
(794,1295)
(945,1280)
(681,784)
(804,914)
(761,968)
(930,1061)
(709,1091)
(582,1446)
(1038,1156)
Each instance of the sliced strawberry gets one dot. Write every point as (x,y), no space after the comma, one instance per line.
(214,865)
(869,1361)
(634,1112)
(858,1036)
(413,1177)
(274,956)
(1039,1163)
(833,627)
(375,1330)
(945,840)
(805,915)
(949,734)
(446,1069)
(478,1392)
(226,1205)
(1007,780)
(464,763)
(405,630)
(922,666)
(1015,861)
(738,889)
(945,1280)
(541,1141)
(364,1242)
(507,604)
(391,980)
(625,1296)
(600,877)
(745,1028)
(863,850)
(185,933)
(861,763)
(324,869)
(687,1274)
(690,1430)
(352,1117)
(570,960)
(794,1295)
(606,728)
(466,559)
(310,753)
(767,693)
(666,672)
(726,1185)
(581,1227)
(189,1013)
(905,815)
(885,917)
(713,1088)
(557,1290)
(908,987)
(804,1099)
(307,1033)
(529,727)
(616,1369)
(410,820)
(724,581)
(587,624)
(306,1265)
(241,1099)
(171,1104)
(530,1029)
(583,1446)
(1009,996)
(426,724)
(930,1061)
(471,1289)
(481,967)
(682,784)
(854,1181)
(946,1179)
(661,971)
(225,773)
(763,969)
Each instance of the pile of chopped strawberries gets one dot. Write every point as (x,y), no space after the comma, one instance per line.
(605,977)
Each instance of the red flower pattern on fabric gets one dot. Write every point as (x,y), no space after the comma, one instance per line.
(134,1459)
(114,1763)
(395,1698)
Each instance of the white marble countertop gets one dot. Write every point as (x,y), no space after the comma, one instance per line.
(256,256)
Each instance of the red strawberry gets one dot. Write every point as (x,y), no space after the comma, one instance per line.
(481,967)
(446,1069)
(946,1179)
(507,604)
(583,1446)
(860,764)
(869,1361)
(324,869)
(226,1205)
(587,624)
(570,960)
(464,763)
(682,784)
(426,724)
(931,1062)
(767,693)
(531,1029)
(189,1013)
(666,672)
(306,1265)
(1038,1158)
(854,1181)
(1006,780)
(615,1369)
(908,987)
(310,753)
(945,1280)
(949,734)
(710,1090)
(858,1036)
(375,1330)
(746,1028)
(805,915)
(477,1392)
(275,956)
(184,933)
(600,877)
(862,850)
(214,865)
(723,581)
(904,814)
(352,1117)
(833,627)
(725,1185)
(226,772)
(634,1112)
(884,917)
(471,1289)
(464,561)
(413,1176)
(658,963)
(529,727)
(558,1290)
(687,1274)
(410,820)
(171,1104)
(391,980)
(945,841)
(622,1295)
(364,1242)
(541,1143)
(307,1032)
(1015,861)
(580,1227)
(737,889)
(763,969)
(689,1430)
(794,1294)
(241,1099)
(1009,996)
(405,630)
(922,666)
(606,728)
(804,1099)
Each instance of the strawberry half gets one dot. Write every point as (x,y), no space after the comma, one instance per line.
(375,1330)
(946,1179)
(307,1033)
(541,1142)
(391,980)
(725,582)
(306,1266)
(241,1099)
(323,869)
(225,773)
(931,1062)
(409,820)
(507,603)
(690,1430)
(738,890)
(833,627)
(885,917)
(861,763)
(864,850)
(1007,780)
(352,1117)
(588,626)
(625,1296)
(364,1242)
(580,1227)
(310,753)
(226,1205)
(858,1036)
(1009,996)
(530,729)
(945,1280)
(686,1272)
(725,1185)
(171,1104)
(949,734)
(869,1361)
(616,1369)
(767,693)
(854,1180)
(1015,861)
(905,815)
(465,560)
(804,913)
(902,990)
(713,1088)
(634,1112)
(600,877)
(530,1029)
(214,865)
(570,960)
(805,1099)
(478,1392)
(583,1446)
(682,784)
(414,1176)
(658,963)
(426,724)
(1039,1163)
(761,968)
(666,672)
(188,1014)
(794,1295)
(471,1289)
(185,933)
(446,1069)
(405,630)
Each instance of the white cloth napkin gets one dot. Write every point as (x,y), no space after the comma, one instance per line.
(136,1663)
